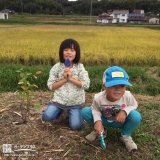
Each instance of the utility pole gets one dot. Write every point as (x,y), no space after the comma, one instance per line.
(91,13)
(21,6)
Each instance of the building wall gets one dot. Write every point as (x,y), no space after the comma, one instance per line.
(3,15)
(154,20)
(122,18)
(104,21)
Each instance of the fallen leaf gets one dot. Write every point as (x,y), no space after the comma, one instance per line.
(32,118)
(38,72)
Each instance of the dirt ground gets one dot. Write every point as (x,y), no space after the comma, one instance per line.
(55,141)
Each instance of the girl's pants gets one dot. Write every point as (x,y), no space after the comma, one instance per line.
(131,123)
(53,112)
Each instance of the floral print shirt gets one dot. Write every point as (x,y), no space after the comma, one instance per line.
(69,94)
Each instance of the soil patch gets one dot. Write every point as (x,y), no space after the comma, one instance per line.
(52,141)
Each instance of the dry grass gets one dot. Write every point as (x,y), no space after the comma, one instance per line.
(55,141)
(100,45)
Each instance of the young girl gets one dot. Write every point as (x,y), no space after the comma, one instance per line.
(68,82)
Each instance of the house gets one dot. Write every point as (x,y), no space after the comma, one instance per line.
(138,11)
(123,16)
(137,16)
(4,14)
(109,11)
(154,20)
(120,16)
(104,18)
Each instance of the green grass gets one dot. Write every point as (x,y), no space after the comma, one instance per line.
(65,20)
(141,78)
(17,21)
(47,19)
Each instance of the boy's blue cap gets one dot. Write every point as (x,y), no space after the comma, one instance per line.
(115,76)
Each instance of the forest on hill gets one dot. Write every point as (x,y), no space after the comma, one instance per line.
(82,7)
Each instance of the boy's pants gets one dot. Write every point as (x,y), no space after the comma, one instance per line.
(131,123)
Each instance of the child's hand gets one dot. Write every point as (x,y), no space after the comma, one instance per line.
(121,116)
(98,127)
(67,73)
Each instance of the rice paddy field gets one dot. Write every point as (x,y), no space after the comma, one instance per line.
(100,45)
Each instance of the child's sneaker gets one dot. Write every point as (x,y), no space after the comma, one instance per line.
(129,143)
(93,136)
(42,121)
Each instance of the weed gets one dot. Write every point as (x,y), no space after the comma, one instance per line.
(142,82)
(151,106)
(26,91)
(158,71)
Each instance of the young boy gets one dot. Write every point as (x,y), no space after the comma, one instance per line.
(114,107)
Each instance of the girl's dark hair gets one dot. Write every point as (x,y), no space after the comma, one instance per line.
(69,43)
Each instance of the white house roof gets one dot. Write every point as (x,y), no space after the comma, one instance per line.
(154,19)
(5,11)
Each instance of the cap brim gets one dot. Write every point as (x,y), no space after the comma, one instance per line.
(118,82)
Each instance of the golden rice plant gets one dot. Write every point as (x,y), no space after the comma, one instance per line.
(100,45)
